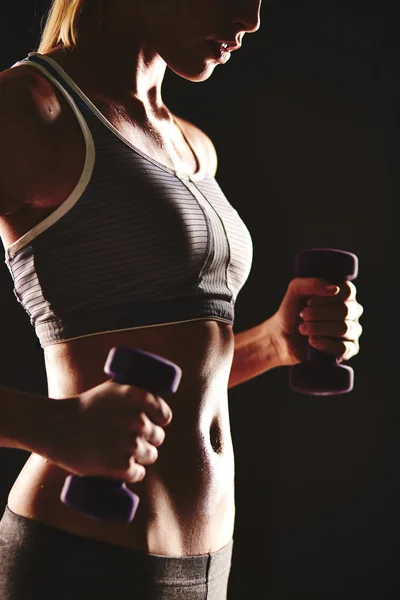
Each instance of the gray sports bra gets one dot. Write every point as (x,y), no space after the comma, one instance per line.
(136,243)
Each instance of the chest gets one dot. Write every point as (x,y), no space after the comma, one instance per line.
(65,162)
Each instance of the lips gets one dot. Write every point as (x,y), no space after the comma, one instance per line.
(231,45)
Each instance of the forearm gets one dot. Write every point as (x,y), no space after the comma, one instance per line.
(256,351)
(22,419)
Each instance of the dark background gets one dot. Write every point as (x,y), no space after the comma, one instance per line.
(304,119)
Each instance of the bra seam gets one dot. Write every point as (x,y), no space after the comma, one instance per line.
(224,230)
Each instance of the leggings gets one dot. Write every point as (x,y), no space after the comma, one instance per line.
(39,562)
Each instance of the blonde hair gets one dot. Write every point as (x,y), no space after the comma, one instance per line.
(64,22)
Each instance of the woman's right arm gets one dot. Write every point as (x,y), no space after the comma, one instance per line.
(25,140)
(111,430)
(19,412)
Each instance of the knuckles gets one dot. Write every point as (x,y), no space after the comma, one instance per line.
(139,424)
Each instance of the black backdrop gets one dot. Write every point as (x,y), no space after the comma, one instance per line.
(304,119)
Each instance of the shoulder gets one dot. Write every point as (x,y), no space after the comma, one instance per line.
(202,144)
(27,107)
(24,87)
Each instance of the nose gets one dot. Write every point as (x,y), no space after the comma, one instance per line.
(247,15)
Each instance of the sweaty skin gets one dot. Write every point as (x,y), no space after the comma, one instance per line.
(187,497)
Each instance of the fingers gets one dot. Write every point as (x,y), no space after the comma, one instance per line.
(157,409)
(350,310)
(142,452)
(135,455)
(142,426)
(137,401)
(340,349)
(346,330)
(331,324)
(348,292)
(134,473)
(117,429)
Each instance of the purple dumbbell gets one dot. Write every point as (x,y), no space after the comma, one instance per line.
(321,374)
(107,499)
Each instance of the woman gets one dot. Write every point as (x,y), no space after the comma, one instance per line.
(117,234)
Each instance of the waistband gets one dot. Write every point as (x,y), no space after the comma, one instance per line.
(48,543)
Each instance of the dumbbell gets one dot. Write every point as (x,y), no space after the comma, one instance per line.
(321,374)
(107,499)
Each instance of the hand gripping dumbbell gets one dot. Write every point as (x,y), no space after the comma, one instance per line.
(107,499)
(321,374)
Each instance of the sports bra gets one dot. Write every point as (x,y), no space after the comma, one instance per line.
(136,244)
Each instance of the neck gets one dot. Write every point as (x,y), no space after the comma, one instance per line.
(112,71)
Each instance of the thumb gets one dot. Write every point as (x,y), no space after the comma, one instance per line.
(301,288)
(313,286)
(298,292)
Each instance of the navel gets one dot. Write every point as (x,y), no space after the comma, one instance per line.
(216,436)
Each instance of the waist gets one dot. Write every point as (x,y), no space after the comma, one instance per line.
(203,349)
(186,506)
(187,497)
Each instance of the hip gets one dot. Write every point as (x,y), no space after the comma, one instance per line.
(182,511)
(38,561)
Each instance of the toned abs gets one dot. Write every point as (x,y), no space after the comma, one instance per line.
(187,496)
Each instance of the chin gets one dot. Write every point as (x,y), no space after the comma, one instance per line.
(194,75)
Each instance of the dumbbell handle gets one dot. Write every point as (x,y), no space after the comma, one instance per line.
(111,500)
(321,374)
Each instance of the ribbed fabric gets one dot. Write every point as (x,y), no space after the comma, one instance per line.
(136,244)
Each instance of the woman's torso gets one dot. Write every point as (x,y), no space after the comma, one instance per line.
(187,497)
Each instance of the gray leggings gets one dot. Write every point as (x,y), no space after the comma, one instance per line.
(38,562)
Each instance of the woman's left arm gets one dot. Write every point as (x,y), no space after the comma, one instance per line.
(312,311)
